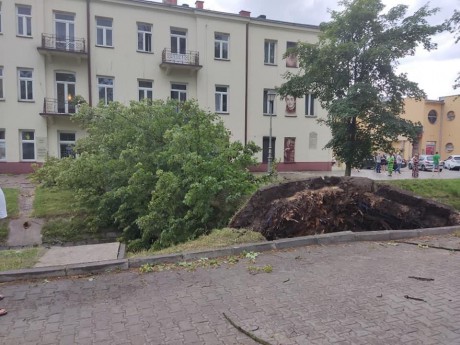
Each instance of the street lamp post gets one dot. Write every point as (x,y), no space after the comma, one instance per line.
(271,94)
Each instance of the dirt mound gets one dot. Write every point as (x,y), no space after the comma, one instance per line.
(332,204)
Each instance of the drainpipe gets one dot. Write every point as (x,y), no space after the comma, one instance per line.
(440,128)
(246,87)
(88,40)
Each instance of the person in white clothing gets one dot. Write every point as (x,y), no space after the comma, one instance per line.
(3,213)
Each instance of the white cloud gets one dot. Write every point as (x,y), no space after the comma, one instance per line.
(434,71)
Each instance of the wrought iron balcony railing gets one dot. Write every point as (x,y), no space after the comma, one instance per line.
(189,58)
(66,44)
(52,106)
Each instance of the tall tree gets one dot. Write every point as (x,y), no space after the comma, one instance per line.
(351,70)
(454,26)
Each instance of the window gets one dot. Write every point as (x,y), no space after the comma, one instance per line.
(269,52)
(2,145)
(221,99)
(27,145)
(65,92)
(269,106)
(144,37)
(432,116)
(313,141)
(178,41)
(266,149)
(1,83)
(449,148)
(291,60)
(221,46)
(179,92)
(25,84)
(309,105)
(104,32)
(64,26)
(289,150)
(450,115)
(24,20)
(105,86)
(66,145)
(145,89)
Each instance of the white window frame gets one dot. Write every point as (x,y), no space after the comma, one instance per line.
(28,83)
(24,21)
(268,46)
(144,90)
(309,105)
(179,91)
(105,30)
(144,35)
(221,43)
(66,142)
(2,96)
(3,144)
(221,99)
(106,87)
(27,141)
(268,105)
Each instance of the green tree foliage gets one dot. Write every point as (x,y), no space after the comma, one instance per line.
(351,70)
(162,173)
(454,27)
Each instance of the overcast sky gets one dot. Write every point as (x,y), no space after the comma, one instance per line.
(434,71)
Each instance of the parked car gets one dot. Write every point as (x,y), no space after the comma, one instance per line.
(425,163)
(452,162)
(368,163)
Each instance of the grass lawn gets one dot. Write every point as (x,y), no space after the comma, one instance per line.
(446,191)
(216,239)
(12,208)
(52,202)
(17,259)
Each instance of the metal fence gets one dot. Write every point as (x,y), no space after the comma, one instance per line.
(191,58)
(77,45)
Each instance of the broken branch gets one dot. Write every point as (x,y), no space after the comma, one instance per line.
(249,334)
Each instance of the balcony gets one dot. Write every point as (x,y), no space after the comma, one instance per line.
(55,46)
(190,61)
(54,107)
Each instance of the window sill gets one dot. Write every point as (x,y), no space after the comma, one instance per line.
(269,114)
(101,46)
(222,112)
(290,115)
(24,36)
(270,64)
(2,99)
(311,116)
(220,59)
(144,52)
(26,100)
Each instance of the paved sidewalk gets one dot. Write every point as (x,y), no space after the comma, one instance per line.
(354,293)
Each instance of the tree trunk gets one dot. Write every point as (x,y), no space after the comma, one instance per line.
(347,169)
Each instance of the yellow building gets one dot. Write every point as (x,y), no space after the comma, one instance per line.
(441,126)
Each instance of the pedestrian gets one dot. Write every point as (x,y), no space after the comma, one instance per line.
(383,162)
(377,162)
(436,159)
(2,311)
(391,160)
(3,213)
(398,161)
(415,166)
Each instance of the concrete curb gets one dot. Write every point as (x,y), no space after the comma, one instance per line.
(124,264)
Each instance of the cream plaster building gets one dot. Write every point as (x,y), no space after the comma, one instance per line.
(441,126)
(122,50)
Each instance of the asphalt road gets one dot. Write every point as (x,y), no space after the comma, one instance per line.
(354,293)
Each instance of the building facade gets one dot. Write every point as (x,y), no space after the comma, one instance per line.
(54,51)
(440,126)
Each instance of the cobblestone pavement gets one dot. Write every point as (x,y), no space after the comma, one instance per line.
(340,294)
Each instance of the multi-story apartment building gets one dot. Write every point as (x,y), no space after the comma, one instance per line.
(52,51)
(441,126)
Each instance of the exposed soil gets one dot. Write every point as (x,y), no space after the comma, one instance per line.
(332,204)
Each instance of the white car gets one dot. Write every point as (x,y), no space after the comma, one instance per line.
(452,162)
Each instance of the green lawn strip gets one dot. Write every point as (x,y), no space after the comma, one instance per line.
(53,202)
(446,191)
(218,238)
(12,201)
(3,230)
(22,258)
